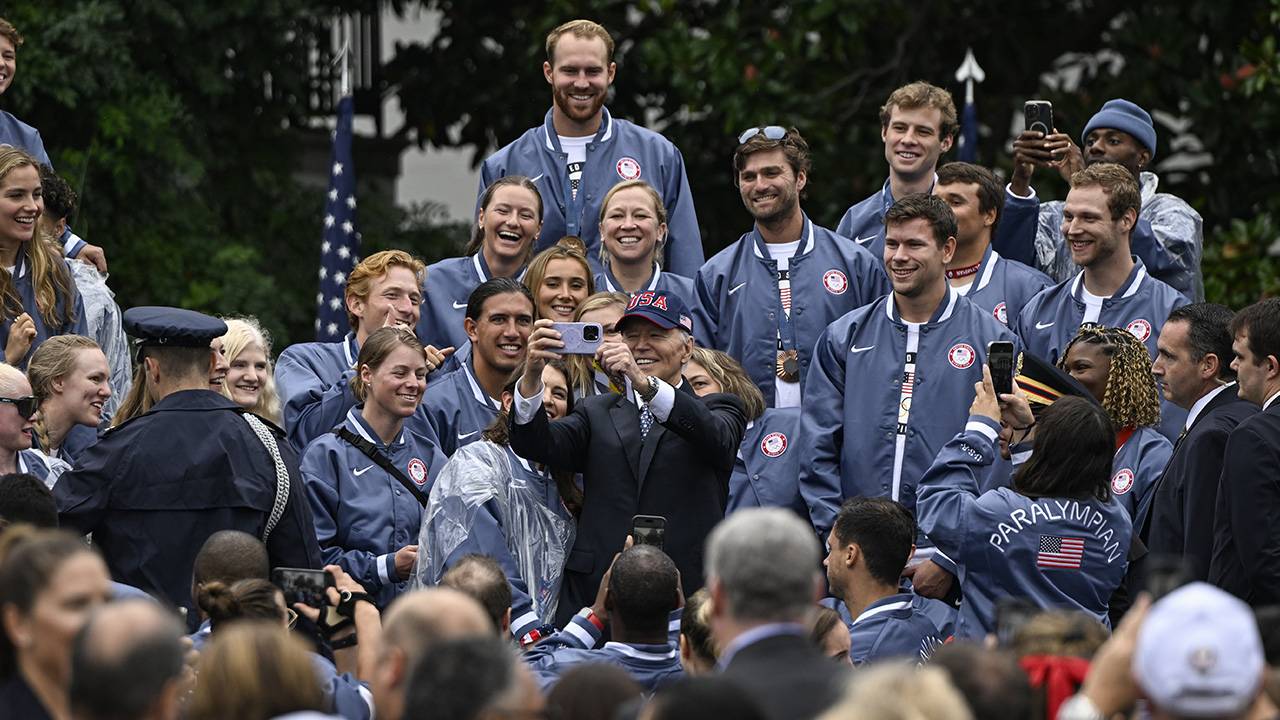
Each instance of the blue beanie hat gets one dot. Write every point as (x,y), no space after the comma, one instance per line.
(1124,115)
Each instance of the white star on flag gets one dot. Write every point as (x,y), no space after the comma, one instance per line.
(328,221)
(344,252)
(339,277)
(335,303)
(351,201)
(347,227)
(333,194)
(337,168)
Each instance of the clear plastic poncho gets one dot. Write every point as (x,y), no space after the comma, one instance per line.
(477,486)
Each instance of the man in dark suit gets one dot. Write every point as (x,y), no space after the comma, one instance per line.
(762,572)
(1193,366)
(669,453)
(1246,541)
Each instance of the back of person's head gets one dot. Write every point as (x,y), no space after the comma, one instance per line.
(1260,323)
(482,578)
(1199,654)
(732,378)
(1208,333)
(251,599)
(60,201)
(698,653)
(178,363)
(762,563)
(924,206)
(254,671)
(709,696)
(25,499)
(492,288)
(126,661)
(643,590)
(594,691)
(229,556)
(1072,452)
(464,678)
(899,691)
(1060,632)
(991,681)
(884,531)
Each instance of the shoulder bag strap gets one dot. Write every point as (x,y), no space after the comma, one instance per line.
(382,461)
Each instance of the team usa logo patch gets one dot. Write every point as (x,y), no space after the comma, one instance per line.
(961,356)
(1002,314)
(1141,329)
(418,472)
(773,444)
(1122,482)
(629,169)
(835,282)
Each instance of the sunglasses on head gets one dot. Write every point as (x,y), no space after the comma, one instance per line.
(26,406)
(772,132)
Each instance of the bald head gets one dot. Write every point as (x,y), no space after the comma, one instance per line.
(126,662)
(414,623)
(482,578)
(13,383)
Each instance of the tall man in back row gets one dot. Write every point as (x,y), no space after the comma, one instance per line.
(581,150)
(917,124)
(153,489)
(889,382)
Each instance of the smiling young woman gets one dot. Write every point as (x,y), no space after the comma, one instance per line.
(71,381)
(38,298)
(250,380)
(560,279)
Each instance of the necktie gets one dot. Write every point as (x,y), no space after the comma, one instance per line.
(646,421)
(1181,436)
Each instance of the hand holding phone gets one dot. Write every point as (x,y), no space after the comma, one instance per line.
(1000,361)
(303,585)
(1037,116)
(579,338)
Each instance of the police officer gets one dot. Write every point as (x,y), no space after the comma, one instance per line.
(766,298)
(154,488)
(580,151)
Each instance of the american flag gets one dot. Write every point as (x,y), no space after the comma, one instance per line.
(1060,552)
(340,242)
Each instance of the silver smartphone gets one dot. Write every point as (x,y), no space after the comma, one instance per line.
(580,338)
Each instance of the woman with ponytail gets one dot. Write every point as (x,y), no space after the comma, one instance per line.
(72,383)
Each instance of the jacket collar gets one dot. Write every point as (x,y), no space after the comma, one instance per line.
(988,269)
(552,139)
(901,601)
(357,424)
(351,349)
(612,284)
(945,308)
(482,268)
(806,234)
(1131,285)
(468,369)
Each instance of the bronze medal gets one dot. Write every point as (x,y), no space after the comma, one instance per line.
(788,367)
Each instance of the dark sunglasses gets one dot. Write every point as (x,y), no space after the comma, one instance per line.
(26,406)
(772,132)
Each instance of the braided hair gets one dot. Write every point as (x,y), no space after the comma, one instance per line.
(1130,399)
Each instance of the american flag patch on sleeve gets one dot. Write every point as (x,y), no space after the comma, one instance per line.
(1060,552)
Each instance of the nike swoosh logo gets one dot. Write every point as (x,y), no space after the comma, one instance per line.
(464,436)
(736,288)
(535,180)
(358,473)
(855,349)
(864,240)
(1041,326)
(459,306)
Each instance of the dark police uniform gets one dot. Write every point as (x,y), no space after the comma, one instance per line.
(153,489)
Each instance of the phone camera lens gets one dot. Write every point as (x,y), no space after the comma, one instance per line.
(591,333)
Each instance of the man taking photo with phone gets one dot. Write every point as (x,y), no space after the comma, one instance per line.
(1167,236)
(667,453)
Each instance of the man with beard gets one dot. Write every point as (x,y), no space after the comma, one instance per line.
(747,291)
(917,124)
(581,150)
(890,383)
(1167,236)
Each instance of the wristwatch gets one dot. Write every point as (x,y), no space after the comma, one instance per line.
(347,602)
(649,393)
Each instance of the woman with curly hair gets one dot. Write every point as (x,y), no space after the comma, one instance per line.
(1114,366)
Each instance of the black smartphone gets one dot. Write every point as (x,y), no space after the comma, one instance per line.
(1038,115)
(1000,361)
(649,530)
(1011,615)
(302,585)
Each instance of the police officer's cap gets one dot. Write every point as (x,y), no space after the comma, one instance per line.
(153,326)
(1043,383)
